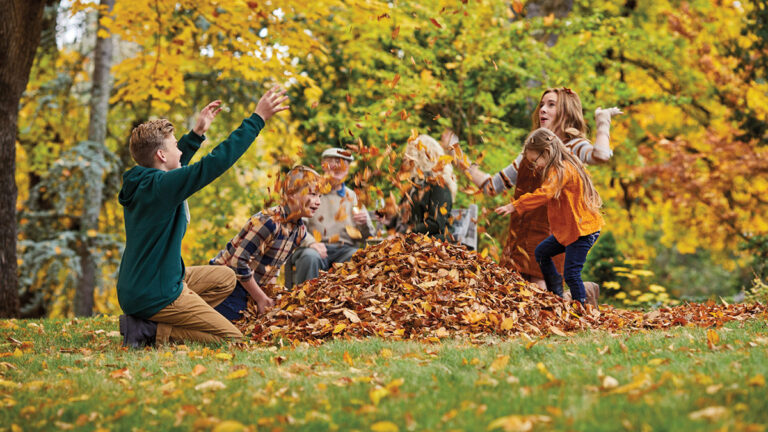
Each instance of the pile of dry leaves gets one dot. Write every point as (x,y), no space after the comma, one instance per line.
(416,287)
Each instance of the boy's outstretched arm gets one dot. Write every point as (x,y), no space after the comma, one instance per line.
(177,185)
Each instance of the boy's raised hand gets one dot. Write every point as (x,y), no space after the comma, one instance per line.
(271,103)
(206,116)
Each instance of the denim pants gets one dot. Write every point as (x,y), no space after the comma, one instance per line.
(234,304)
(575,256)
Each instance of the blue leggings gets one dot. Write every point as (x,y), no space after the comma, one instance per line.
(575,256)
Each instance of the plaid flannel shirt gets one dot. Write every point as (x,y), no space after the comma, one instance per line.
(262,246)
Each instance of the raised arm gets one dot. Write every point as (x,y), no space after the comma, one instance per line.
(177,185)
(490,185)
(602,151)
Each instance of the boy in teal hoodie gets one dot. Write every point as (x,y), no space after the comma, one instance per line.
(153,285)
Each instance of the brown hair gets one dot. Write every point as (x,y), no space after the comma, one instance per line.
(544,141)
(146,138)
(569,122)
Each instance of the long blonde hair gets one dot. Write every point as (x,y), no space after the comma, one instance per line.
(426,154)
(556,155)
(569,121)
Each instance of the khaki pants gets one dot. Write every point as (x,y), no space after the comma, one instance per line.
(191,316)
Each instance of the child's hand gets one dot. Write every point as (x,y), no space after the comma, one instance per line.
(448,139)
(506,209)
(604,115)
(265,304)
(270,103)
(206,116)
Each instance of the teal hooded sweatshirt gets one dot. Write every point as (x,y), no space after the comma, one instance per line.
(151,270)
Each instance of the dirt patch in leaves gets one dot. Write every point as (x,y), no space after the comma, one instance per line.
(417,287)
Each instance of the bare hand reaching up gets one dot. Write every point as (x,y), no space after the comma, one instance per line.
(271,102)
(206,116)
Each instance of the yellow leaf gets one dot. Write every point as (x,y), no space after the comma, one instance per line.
(240,373)
(229,426)
(377,394)
(757,381)
(386,353)
(384,426)
(507,324)
(543,369)
(339,328)
(317,235)
(198,370)
(223,356)
(347,358)
(500,363)
(712,338)
(353,232)
(442,333)
(17,353)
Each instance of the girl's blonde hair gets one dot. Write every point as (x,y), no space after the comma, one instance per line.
(556,155)
(426,152)
(569,122)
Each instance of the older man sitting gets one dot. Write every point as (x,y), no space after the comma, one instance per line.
(338,227)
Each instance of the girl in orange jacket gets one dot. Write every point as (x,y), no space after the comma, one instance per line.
(573,210)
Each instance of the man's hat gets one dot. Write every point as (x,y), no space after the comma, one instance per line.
(338,153)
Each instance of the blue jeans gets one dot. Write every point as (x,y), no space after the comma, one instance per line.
(575,256)
(232,306)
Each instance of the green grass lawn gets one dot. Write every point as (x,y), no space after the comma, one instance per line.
(62,374)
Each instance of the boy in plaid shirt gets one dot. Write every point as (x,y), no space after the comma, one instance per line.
(266,241)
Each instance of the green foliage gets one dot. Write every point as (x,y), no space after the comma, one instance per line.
(51,234)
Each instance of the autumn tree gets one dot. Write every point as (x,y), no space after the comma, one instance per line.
(19,37)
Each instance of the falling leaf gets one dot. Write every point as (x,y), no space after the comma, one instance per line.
(394,81)
(318,237)
(353,232)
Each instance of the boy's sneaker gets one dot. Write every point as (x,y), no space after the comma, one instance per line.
(137,332)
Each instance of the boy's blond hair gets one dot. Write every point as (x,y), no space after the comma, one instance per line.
(147,138)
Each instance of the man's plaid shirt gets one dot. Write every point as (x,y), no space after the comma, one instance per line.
(262,246)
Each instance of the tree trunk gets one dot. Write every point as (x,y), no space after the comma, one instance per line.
(19,36)
(97,132)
